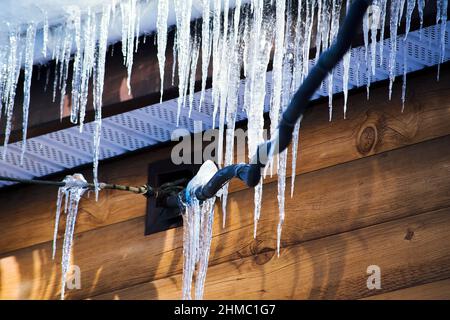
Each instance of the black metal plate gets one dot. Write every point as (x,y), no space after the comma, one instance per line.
(158,217)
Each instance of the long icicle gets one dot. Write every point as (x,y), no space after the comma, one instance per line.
(74,188)
(99,79)
(29,53)
(346,67)
(45,35)
(161,28)
(206,47)
(409,9)
(13,71)
(275,109)
(383,4)
(335,14)
(304,66)
(394,11)
(296,78)
(183,18)
(232,100)
(197,233)
(443,18)
(277,71)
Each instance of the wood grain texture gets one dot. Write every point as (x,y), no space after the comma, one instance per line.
(372,190)
(438,290)
(329,268)
(371,127)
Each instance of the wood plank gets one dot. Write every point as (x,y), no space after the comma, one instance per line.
(371,127)
(145,83)
(392,185)
(330,268)
(439,290)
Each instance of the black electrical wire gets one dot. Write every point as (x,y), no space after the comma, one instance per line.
(251,173)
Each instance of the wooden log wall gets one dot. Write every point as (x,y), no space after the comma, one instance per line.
(373,189)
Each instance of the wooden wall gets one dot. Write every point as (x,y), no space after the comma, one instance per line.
(370,190)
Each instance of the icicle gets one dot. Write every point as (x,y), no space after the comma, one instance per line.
(236,23)
(13,71)
(261,32)
(161,27)
(394,12)
(324,18)
(206,47)
(335,10)
(421,6)
(28,66)
(174,59)
(183,18)
(55,84)
(220,81)
(197,233)
(56,55)
(320,30)
(295,137)
(405,69)
(277,72)
(374,24)
(45,35)
(222,89)
(409,10)
(61,193)
(77,65)
(232,100)
(281,195)
(310,5)
(90,36)
(382,24)
(99,79)
(358,65)
(65,54)
(299,42)
(216,57)
(366,49)
(257,210)
(288,79)
(302,64)
(74,188)
(193,72)
(346,67)
(443,18)
(137,24)
(206,221)
(369,81)
(47,79)
(3,76)
(129,22)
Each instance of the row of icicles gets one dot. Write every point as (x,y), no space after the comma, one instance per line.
(245,39)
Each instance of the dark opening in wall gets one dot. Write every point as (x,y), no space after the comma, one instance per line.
(160,216)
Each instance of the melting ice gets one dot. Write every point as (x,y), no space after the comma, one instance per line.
(197,233)
(71,193)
